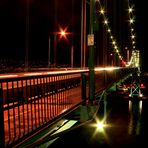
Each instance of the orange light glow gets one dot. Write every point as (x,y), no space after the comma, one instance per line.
(63,33)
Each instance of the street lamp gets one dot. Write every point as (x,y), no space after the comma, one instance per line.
(62,34)
(49,49)
(72,53)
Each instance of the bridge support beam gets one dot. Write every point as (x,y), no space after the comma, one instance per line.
(105,106)
(87,112)
(91,54)
(84,113)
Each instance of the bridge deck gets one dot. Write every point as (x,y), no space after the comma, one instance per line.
(30,115)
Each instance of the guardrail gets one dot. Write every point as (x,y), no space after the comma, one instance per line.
(30,103)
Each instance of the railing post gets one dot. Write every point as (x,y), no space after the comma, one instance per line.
(84,114)
(2,135)
(84,88)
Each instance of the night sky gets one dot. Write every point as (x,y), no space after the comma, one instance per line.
(41,22)
(142,30)
(46,17)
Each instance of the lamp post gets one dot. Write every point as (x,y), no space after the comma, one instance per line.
(49,50)
(72,56)
(49,42)
(55,49)
(62,34)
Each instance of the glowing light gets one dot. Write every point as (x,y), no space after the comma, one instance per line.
(114,42)
(63,33)
(131,21)
(102,11)
(109,30)
(111,37)
(115,47)
(129,105)
(117,51)
(100,125)
(130,10)
(133,36)
(142,85)
(140,106)
(106,68)
(106,22)
(140,95)
(8,76)
(32,74)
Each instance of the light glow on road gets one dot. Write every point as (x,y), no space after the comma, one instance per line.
(107,68)
(100,127)
(8,76)
(32,74)
(66,71)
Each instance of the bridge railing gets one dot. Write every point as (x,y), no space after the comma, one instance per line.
(30,103)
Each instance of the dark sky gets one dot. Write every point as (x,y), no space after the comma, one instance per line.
(142,30)
(42,16)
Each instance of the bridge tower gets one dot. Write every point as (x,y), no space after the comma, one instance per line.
(135,90)
(135,84)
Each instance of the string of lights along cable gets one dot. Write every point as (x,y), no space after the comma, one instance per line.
(134,58)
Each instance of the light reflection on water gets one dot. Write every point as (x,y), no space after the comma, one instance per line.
(135,110)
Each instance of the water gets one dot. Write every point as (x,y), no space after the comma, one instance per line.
(126,126)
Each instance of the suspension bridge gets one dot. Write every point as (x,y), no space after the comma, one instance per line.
(36,107)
